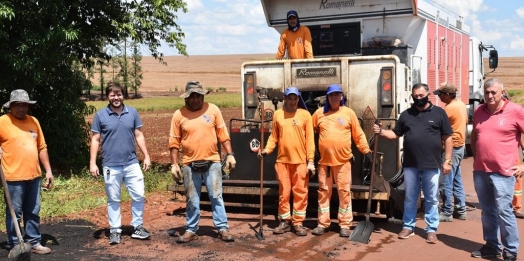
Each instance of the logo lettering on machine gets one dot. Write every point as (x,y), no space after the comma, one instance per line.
(326,4)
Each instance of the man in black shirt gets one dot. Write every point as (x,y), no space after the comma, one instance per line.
(425,128)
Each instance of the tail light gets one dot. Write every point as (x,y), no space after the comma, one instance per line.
(386,92)
(250,92)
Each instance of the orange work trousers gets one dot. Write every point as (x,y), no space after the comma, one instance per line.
(517,195)
(292,178)
(341,175)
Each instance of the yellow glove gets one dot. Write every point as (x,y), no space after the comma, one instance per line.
(177,174)
(311,168)
(230,162)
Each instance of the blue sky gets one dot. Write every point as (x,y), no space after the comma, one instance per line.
(215,27)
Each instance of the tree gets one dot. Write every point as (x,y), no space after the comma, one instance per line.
(40,41)
(136,69)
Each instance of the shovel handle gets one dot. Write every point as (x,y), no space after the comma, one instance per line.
(372,174)
(10,205)
(262,118)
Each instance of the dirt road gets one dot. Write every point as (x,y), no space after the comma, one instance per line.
(75,239)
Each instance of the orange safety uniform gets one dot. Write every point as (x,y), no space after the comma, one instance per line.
(298,44)
(293,133)
(517,195)
(336,130)
(197,132)
(517,192)
(21,137)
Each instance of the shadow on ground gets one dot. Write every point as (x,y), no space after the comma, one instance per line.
(69,240)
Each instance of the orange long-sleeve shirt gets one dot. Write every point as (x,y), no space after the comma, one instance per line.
(336,129)
(298,44)
(293,133)
(21,141)
(196,132)
(458,117)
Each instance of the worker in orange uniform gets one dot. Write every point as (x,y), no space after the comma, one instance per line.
(293,133)
(336,125)
(296,39)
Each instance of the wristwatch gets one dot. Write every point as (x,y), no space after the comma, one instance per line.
(230,154)
(449,162)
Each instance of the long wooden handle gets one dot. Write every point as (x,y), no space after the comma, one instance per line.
(371,179)
(10,205)
(262,118)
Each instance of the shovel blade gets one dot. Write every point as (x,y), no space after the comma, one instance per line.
(362,232)
(21,252)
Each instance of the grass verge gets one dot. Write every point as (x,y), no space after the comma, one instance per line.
(83,192)
(172,103)
(516,96)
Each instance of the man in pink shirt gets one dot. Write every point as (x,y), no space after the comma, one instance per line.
(497,127)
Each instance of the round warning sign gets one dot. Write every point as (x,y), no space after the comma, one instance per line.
(268,114)
(254,145)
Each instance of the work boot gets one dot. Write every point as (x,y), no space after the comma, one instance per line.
(344,232)
(300,230)
(40,250)
(318,231)
(518,213)
(445,218)
(432,238)
(460,215)
(187,237)
(225,236)
(405,233)
(486,252)
(282,228)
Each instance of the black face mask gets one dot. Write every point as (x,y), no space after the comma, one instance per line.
(421,102)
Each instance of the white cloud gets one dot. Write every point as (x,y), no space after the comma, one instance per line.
(227,27)
(516,43)
(520,12)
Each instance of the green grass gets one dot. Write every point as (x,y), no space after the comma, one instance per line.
(516,96)
(172,103)
(83,192)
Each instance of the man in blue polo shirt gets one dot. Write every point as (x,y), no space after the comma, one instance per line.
(425,128)
(119,126)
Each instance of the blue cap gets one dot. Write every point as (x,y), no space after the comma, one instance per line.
(294,90)
(331,89)
(334,88)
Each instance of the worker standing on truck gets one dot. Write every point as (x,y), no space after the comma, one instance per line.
(293,133)
(195,129)
(336,125)
(451,187)
(425,127)
(296,39)
(497,128)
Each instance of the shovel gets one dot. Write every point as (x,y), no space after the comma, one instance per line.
(260,233)
(22,251)
(363,230)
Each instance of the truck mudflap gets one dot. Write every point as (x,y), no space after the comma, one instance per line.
(241,187)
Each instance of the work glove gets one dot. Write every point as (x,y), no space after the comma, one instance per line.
(177,174)
(369,156)
(230,162)
(311,168)
(262,153)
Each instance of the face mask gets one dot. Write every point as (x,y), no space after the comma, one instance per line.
(421,102)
